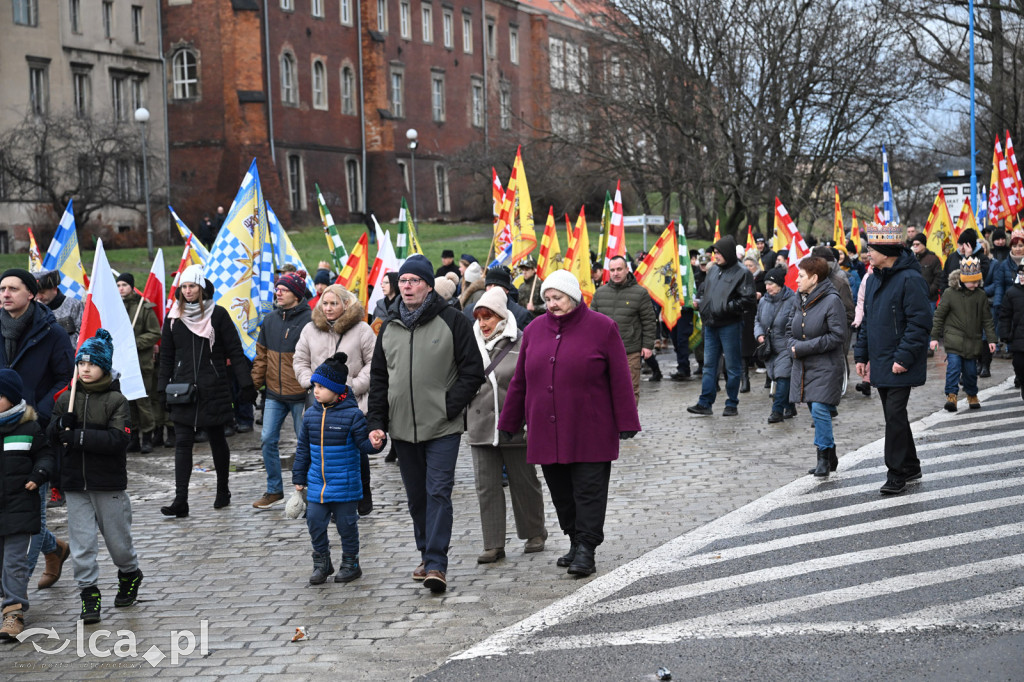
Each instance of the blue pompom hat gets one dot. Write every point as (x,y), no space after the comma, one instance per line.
(99,350)
(333,373)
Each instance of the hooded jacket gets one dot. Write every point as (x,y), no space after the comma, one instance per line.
(816,339)
(45,360)
(275,348)
(630,306)
(727,290)
(349,334)
(1011,318)
(26,456)
(963,314)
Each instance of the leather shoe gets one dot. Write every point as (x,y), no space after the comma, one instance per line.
(775,418)
(54,564)
(535,544)
(435,582)
(489,556)
(583,564)
(730,411)
(420,572)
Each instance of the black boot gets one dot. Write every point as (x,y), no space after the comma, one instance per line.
(567,558)
(127,588)
(865,388)
(349,569)
(365,505)
(985,369)
(91,605)
(223,498)
(833,459)
(583,564)
(322,567)
(169,440)
(821,471)
(147,443)
(178,508)
(157,439)
(745,378)
(133,444)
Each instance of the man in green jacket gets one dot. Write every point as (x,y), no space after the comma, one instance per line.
(147,334)
(629,304)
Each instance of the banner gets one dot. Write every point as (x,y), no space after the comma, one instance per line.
(659,274)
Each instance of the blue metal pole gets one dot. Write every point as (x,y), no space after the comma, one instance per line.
(974,170)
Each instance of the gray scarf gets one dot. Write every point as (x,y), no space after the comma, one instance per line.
(12,329)
(410,317)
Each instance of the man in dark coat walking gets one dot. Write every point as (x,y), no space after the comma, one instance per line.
(892,345)
(931,267)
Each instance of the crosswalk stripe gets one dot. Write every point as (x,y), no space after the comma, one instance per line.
(962,456)
(961,442)
(960,428)
(991,407)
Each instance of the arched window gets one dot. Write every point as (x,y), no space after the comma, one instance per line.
(348,91)
(289,86)
(319,85)
(185,74)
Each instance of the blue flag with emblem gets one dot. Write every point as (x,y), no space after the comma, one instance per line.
(284,250)
(64,256)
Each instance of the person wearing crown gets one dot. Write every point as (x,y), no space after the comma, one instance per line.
(892,345)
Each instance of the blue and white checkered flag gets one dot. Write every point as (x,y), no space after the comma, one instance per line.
(284,250)
(64,255)
(982,207)
(889,212)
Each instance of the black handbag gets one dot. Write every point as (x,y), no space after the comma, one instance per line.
(181,394)
(764,349)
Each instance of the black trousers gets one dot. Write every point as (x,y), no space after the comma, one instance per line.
(580,494)
(900,451)
(1018,369)
(184,440)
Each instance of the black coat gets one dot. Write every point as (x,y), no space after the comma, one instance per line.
(45,361)
(187,358)
(728,290)
(817,332)
(26,457)
(1011,318)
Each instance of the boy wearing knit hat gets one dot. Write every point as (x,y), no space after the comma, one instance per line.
(326,467)
(92,438)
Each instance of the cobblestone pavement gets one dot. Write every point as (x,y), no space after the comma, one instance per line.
(236,578)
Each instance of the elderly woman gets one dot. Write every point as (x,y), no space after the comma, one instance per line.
(339,326)
(774,311)
(573,389)
(815,336)
(498,338)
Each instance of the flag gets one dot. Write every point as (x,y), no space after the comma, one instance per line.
(888,203)
(497,198)
(878,216)
(688,289)
(406,242)
(502,243)
(200,255)
(966,220)
(524,238)
(718,234)
(751,244)
(606,225)
(616,231)
(939,228)
(353,276)
(1014,171)
(63,255)
(577,258)
(35,262)
(838,231)
(284,250)
(104,308)
(186,260)
(982,206)
(550,258)
(781,226)
(659,274)
(335,246)
(154,289)
(855,233)
(1002,196)
(241,262)
(798,248)
(385,262)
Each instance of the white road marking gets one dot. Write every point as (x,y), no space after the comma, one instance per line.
(961,442)
(926,463)
(960,428)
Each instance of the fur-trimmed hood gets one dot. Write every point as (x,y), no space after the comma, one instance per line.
(471,289)
(353,314)
(954,279)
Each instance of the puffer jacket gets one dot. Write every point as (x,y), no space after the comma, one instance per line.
(275,350)
(486,405)
(963,314)
(1001,277)
(1011,318)
(629,305)
(27,456)
(815,337)
(96,458)
(327,454)
(774,314)
(320,340)
(727,290)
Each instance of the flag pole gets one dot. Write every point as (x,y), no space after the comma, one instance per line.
(74,387)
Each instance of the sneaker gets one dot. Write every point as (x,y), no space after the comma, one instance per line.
(435,582)
(730,411)
(56,499)
(893,486)
(973,402)
(13,623)
(127,588)
(91,605)
(702,410)
(268,500)
(950,402)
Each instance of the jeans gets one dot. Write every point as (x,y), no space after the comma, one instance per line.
(43,541)
(681,339)
(959,367)
(900,451)
(274,413)
(14,559)
(428,473)
(346,519)
(720,341)
(822,416)
(781,400)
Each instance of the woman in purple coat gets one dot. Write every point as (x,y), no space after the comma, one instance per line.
(573,390)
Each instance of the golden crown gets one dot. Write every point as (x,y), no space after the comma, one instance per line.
(970,270)
(888,233)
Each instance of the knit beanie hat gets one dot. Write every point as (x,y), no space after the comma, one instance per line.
(25,276)
(10,385)
(776,276)
(49,279)
(332,373)
(920,237)
(474,272)
(99,350)
(293,283)
(495,300)
(322,277)
(418,265)
(193,274)
(564,281)
(128,278)
(499,275)
(444,287)
(998,233)
(968,236)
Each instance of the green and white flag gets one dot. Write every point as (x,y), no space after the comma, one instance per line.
(406,242)
(334,244)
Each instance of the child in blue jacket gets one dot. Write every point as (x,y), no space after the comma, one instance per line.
(326,466)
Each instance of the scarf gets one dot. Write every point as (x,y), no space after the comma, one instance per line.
(506,329)
(410,317)
(198,322)
(12,329)
(13,415)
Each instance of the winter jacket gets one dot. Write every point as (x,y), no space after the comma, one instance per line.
(931,270)
(45,360)
(629,305)
(380,310)
(522,315)
(147,330)
(422,379)
(471,293)
(1001,277)
(815,338)
(774,314)
(528,286)
(26,456)
(486,404)
(841,282)
(572,388)
(275,348)
(68,313)
(1011,318)
(327,454)
(187,358)
(896,325)
(727,290)
(963,314)
(350,335)
(95,458)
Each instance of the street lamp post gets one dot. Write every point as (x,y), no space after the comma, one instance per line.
(142,117)
(412,135)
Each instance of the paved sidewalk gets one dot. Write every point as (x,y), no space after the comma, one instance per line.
(244,571)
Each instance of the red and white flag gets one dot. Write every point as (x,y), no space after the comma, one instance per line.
(798,249)
(186,260)
(616,231)
(104,308)
(155,287)
(1014,170)
(385,262)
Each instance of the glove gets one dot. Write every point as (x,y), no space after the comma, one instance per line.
(626,435)
(68,438)
(247,395)
(68,420)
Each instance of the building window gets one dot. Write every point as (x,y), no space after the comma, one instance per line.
(317,9)
(137,23)
(346,12)
(444,203)
(437,97)
(185,74)
(319,85)
(354,182)
(397,93)
(140,181)
(137,98)
(505,108)
(289,88)
(75,15)
(492,38)
(513,45)
(448,28)
(81,93)
(348,89)
(382,15)
(295,181)
(288,5)
(39,88)
(404,20)
(42,175)
(428,24)
(123,181)
(108,19)
(467,34)
(118,98)
(556,63)
(26,12)
(477,102)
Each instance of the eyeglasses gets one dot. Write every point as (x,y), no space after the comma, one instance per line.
(409,281)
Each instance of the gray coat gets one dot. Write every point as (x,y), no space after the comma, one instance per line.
(817,333)
(482,415)
(774,313)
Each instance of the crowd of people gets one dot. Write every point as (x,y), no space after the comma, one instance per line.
(532,374)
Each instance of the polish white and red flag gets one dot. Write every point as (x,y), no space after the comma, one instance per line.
(616,232)
(155,288)
(104,308)
(186,260)
(798,249)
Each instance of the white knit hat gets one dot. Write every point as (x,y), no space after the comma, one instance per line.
(564,281)
(494,299)
(193,274)
(474,272)
(444,287)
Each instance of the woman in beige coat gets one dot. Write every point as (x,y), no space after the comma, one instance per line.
(339,326)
